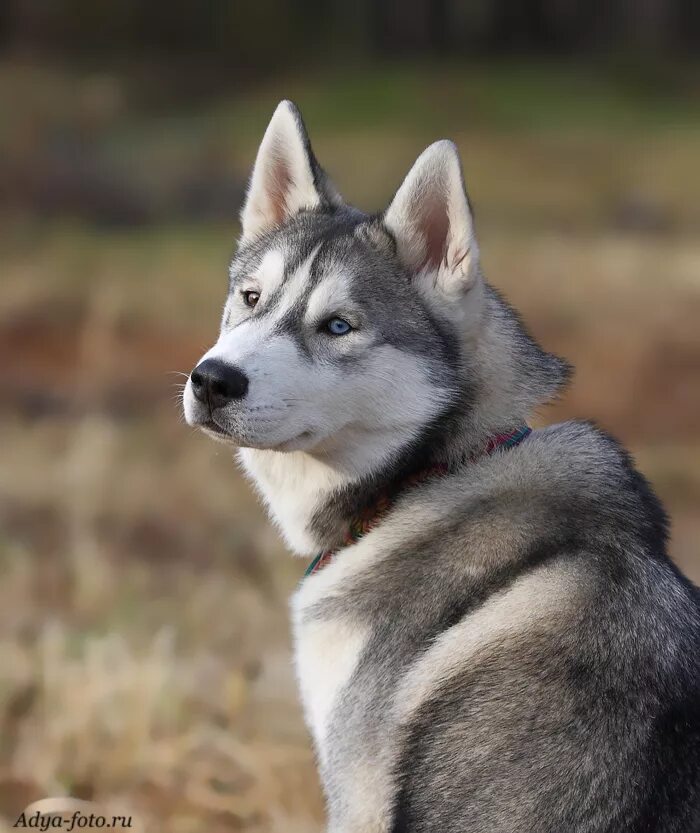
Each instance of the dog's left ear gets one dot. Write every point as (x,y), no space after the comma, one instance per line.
(286,177)
(432,224)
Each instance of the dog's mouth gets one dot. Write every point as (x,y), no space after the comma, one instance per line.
(216,431)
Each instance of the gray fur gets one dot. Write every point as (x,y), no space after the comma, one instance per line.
(556,728)
(521,653)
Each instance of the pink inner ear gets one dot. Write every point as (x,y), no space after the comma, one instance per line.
(435,225)
(278,184)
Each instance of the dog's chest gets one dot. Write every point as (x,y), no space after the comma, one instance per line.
(327,651)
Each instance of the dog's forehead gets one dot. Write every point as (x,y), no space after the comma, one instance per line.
(314,269)
(321,265)
(300,262)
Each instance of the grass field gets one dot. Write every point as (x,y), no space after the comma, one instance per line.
(144,648)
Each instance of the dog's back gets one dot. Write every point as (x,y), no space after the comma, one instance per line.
(530,655)
(567,696)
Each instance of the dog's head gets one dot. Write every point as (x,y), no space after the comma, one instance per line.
(340,329)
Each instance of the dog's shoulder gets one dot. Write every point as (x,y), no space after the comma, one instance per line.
(575,477)
(585,471)
(569,496)
(567,599)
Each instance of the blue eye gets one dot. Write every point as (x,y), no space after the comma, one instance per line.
(338,327)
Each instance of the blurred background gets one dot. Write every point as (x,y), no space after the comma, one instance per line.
(144,644)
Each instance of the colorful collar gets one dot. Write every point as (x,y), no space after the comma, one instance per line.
(373,514)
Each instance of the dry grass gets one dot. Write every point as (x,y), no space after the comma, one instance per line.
(136,676)
(144,657)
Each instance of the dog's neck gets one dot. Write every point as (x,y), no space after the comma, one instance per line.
(314,498)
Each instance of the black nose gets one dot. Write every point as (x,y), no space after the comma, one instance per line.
(216,383)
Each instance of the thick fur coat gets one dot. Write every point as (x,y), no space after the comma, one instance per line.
(509,647)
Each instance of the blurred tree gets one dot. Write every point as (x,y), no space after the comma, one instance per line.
(265,34)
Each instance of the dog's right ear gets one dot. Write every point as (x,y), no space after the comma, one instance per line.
(286,177)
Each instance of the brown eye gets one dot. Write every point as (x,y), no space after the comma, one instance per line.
(251,298)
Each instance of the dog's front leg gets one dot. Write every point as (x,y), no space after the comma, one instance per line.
(358,825)
(360,810)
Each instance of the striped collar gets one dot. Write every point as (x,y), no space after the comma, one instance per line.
(369,518)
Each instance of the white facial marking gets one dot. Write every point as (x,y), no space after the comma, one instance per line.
(270,273)
(332,295)
(295,287)
(265,279)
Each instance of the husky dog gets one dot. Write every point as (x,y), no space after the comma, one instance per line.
(502,645)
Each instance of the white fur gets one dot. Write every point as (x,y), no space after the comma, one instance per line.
(308,428)
(268,276)
(295,287)
(348,421)
(330,297)
(326,655)
(358,420)
(292,484)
